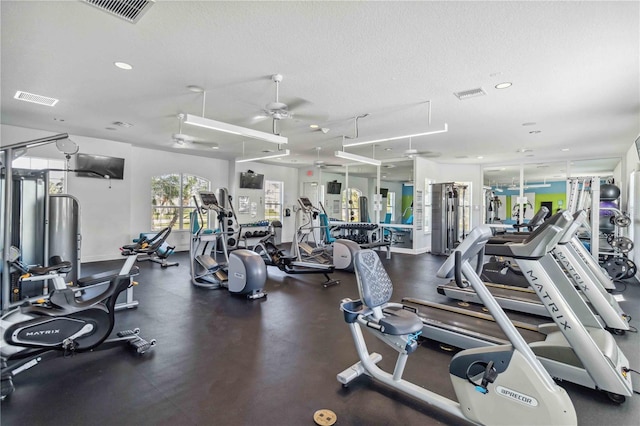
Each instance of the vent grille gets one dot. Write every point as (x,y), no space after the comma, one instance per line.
(36,99)
(129,10)
(473,93)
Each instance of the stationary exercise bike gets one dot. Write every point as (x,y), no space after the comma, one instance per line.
(62,323)
(503,384)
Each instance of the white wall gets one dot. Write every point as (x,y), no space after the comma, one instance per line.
(288,175)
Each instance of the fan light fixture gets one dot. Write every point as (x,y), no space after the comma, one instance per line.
(446,129)
(207,123)
(358,158)
(284,153)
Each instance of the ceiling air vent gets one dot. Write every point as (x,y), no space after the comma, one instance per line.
(129,10)
(36,99)
(473,93)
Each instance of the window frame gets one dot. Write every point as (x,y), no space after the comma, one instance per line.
(278,204)
(182,208)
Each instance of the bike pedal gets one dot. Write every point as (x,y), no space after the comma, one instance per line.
(126,333)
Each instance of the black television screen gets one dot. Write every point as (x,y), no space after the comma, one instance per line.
(334,187)
(251,180)
(384,192)
(99,166)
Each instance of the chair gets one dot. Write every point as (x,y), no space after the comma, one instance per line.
(375,288)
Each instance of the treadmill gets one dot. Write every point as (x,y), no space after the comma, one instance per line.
(575,347)
(573,267)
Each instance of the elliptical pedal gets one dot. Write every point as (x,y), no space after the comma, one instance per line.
(142,345)
(133,336)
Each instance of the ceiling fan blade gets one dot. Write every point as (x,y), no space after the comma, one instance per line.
(293,103)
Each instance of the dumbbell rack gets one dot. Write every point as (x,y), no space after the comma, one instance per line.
(251,233)
(361,233)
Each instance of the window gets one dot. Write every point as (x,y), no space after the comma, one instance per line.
(273,192)
(56,177)
(351,208)
(172,194)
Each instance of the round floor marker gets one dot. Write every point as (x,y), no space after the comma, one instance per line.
(463,304)
(325,417)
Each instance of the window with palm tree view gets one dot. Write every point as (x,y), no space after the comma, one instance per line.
(351,207)
(171,195)
(273,191)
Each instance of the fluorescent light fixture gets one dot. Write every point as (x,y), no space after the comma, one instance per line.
(265,157)
(446,129)
(358,158)
(535,185)
(207,123)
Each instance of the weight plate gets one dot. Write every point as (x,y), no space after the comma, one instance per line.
(325,417)
(622,244)
(616,268)
(632,269)
(622,221)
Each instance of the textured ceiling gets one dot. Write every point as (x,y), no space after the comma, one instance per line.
(574,66)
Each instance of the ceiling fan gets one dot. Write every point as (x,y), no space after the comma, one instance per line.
(413,153)
(277,110)
(321,164)
(183,140)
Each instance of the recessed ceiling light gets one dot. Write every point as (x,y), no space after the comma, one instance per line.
(564,149)
(480,157)
(522,150)
(215,147)
(194,88)
(529,123)
(313,126)
(504,85)
(388,149)
(533,132)
(123,65)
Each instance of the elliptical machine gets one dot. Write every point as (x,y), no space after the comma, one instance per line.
(64,323)
(241,272)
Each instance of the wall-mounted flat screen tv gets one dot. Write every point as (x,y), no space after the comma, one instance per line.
(99,166)
(251,180)
(334,187)
(384,192)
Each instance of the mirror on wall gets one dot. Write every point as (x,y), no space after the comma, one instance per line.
(545,184)
(362,181)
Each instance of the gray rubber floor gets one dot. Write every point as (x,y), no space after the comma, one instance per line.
(225,360)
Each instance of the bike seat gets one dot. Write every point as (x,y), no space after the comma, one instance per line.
(44,270)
